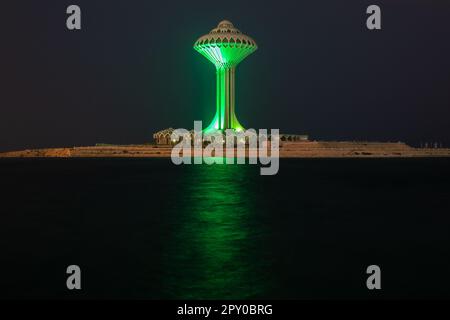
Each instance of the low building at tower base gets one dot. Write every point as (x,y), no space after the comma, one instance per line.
(164,137)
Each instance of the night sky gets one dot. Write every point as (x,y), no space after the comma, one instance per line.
(132,70)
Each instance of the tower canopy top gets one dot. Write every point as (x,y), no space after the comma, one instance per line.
(225,26)
(226,32)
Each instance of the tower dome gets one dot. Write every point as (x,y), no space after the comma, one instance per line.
(225,45)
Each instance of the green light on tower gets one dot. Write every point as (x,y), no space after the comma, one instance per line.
(225,46)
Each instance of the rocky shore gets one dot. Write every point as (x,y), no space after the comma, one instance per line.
(304,149)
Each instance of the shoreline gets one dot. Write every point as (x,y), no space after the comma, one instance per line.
(305,149)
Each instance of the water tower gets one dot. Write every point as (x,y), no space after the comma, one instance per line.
(225,46)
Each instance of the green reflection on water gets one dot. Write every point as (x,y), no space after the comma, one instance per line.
(216,246)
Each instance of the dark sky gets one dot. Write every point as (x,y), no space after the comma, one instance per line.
(132,70)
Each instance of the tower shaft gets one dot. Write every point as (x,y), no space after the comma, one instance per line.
(225,117)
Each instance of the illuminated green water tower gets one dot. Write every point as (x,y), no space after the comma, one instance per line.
(225,46)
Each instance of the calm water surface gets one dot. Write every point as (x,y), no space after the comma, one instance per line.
(145,228)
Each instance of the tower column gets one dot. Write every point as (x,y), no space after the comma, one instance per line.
(232,97)
(225,116)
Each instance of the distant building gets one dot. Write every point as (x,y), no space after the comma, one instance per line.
(293,137)
(163,136)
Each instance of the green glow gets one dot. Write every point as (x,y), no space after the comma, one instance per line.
(225,48)
(215,238)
